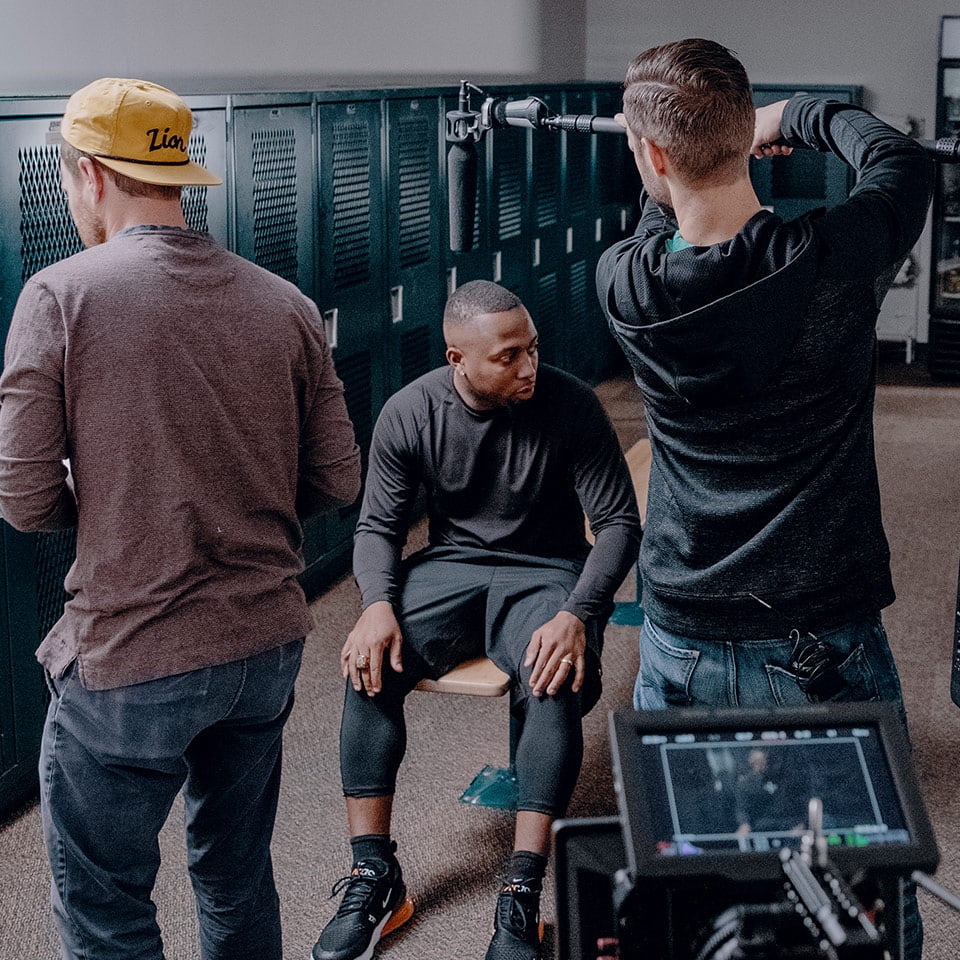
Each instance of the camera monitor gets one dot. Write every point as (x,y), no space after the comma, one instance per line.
(722,792)
(588,853)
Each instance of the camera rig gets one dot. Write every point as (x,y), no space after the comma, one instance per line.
(764,834)
(813,911)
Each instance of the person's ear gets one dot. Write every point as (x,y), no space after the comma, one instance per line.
(655,155)
(455,357)
(91,178)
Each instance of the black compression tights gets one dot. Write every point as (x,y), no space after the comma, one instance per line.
(373,739)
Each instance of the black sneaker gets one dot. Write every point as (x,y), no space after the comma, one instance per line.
(516,925)
(374,903)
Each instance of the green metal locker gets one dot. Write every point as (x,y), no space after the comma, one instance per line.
(274,216)
(548,306)
(351,271)
(416,237)
(588,339)
(508,208)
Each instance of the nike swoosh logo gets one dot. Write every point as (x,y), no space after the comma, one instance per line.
(386,900)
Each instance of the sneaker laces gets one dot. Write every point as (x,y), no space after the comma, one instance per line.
(360,885)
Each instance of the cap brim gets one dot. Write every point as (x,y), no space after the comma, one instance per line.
(188,174)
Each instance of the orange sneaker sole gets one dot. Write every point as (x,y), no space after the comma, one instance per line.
(399,917)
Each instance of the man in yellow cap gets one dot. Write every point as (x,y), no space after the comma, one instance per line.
(180,406)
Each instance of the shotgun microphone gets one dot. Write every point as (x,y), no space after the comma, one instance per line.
(462,194)
(584,123)
(463,130)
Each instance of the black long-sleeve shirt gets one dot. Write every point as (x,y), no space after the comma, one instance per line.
(511,482)
(756,359)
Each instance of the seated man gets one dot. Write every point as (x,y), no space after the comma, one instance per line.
(511,457)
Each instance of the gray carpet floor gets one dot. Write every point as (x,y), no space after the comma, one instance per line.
(451,852)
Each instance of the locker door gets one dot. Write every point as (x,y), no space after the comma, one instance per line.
(617,179)
(37,230)
(273,188)
(274,179)
(416,234)
(22,690)
(617,188)
(206,208)
(508,160)
(587,336)
(351,273)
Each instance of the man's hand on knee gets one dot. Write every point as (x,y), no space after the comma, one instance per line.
(556,652)
(361,659)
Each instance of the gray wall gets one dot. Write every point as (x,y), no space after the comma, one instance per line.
(198,46)
(888,46)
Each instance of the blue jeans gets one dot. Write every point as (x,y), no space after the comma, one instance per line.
(678,671)
(685,672)
(111,765)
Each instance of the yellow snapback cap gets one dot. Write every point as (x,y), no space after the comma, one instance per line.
(137,128)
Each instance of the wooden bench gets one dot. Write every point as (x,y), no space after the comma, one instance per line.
(481,677)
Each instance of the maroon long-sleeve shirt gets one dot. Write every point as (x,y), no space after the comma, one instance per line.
(195,398)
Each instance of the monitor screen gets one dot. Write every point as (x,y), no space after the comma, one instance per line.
(725,791)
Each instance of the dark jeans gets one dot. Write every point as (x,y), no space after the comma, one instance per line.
(111,765)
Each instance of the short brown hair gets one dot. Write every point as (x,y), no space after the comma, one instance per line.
(69,155)
(692,98)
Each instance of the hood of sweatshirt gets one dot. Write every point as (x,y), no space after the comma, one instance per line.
(716,322)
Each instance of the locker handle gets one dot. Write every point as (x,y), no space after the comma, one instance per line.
(396,303)
(330,318)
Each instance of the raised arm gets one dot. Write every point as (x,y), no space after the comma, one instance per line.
(882,218)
